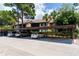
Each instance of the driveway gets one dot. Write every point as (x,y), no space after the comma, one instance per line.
(27,47)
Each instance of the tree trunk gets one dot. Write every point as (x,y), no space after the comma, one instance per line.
(17,17)
(22,18)
(18,20)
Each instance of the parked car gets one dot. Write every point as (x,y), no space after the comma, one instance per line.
(34,35)
(17,35)
(10,34)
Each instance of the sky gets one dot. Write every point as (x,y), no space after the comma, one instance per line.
(43,8)
(40,8)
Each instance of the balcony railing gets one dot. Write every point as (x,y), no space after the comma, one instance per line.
(49,27)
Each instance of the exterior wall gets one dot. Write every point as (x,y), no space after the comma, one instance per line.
(28,25)
(48,24)
(40,25)
(77,26)
(47,29)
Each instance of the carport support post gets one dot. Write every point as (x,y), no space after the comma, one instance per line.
(73,38)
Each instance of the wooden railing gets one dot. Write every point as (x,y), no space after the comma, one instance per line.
(49,27)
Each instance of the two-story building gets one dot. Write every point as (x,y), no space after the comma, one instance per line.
(38,25)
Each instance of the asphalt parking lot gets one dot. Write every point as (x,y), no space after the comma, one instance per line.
(10,46)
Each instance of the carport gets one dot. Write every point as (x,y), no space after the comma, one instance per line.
(69,28)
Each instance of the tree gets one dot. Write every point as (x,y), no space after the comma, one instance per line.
(77,17)
(51,16)
(76,13)
(6,19)
(15,11)
(75,4)
(23,8)
(67,7)
(54,14)
(66,15)
(45,17)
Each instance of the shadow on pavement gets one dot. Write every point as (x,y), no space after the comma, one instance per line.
(56,40)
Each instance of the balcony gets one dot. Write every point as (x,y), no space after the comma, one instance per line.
(49,27)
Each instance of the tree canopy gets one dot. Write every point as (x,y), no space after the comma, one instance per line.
(24,9)
(6,17)
(27,8)
(65,15)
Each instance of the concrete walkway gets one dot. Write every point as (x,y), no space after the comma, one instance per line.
(27,47)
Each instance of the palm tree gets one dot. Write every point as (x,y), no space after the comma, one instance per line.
(45,17)
(54,15)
